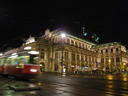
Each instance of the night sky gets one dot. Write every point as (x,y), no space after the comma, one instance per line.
(106,18)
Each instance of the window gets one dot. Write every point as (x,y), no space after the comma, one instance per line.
(8,61)
(102,60)
(93,60)
(66,55)
(72,42)
(112,50)
(82,45)
(76,43)
(117,59)
(79,44)
(86,47)
(112,60)
(73,56)
(107,60)
(5,59)
(56,55)
(117,49)
(106,50)
(78,57)
(42,55)
(82,58)
(102,51)
(85,58)
(42,49)
(33,59)
(89,59)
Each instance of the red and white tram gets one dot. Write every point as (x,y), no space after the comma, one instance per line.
(19,63)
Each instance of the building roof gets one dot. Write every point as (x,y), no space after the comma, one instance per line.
(73,35)
(106,45)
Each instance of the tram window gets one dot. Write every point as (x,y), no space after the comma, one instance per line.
(24,59)
(5,60)
(8,61)
(2,61)
(16,61)
(33,59)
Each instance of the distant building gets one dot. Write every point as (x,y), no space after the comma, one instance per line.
(78,54)
(111,56)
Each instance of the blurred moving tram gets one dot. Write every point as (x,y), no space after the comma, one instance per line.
(19,63)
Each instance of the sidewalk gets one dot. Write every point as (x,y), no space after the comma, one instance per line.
(10,87)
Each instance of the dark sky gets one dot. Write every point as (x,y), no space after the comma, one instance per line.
(106,18)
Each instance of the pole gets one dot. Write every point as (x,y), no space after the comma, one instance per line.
(62,58)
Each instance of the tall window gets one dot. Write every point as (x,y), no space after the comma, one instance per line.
(117,49)
(112,50)
(85,46)
(78,57)
(82,58)
(75,43)
(117,59)
(82,45)
(42,55)
(72,42)
(86,58)
(66,55)
(112,60)
(106,50)
(56,55)
(102,60)
(79,44)
(107,60)
(93,60)
(102,51)
(73,56)
(89,59)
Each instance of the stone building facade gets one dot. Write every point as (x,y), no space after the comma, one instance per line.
(111,56)
(78,53)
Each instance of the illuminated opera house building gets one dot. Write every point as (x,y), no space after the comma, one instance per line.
(77,53)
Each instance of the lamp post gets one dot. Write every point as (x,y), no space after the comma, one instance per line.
(63,35)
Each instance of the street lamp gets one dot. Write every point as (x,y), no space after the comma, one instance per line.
(124,63)
(109,64)
(63,35)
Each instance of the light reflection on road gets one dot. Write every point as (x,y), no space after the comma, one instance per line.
(122,77)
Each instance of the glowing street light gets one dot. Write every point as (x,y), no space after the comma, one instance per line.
(109,64)
(63,35)
(109,61)
(124,63)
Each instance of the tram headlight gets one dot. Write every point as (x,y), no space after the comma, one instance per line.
(33,70)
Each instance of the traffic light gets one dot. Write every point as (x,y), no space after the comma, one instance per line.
(85,34)
(97,39)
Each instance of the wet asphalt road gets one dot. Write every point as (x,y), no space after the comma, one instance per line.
(71,85)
